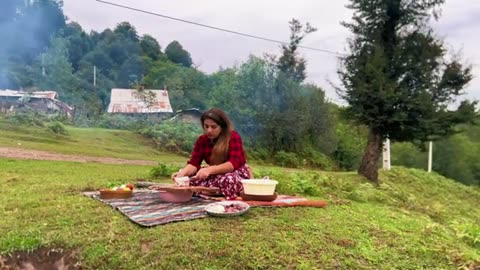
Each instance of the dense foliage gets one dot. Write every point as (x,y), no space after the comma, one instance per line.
(398,78)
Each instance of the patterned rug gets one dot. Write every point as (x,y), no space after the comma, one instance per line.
(146,209)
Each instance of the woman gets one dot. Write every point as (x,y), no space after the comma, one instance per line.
(221,148)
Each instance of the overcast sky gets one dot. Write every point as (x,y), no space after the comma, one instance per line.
(459,26)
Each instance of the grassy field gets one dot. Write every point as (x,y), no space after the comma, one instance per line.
(414,220)
(83,141)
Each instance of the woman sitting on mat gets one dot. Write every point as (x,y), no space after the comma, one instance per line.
(221,148)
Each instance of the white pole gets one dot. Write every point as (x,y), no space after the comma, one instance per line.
(43,64)
(386,155)
(430,150)
(94,76)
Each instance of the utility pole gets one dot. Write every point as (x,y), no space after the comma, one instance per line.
(94,76)
(43,65)
(430,154)
(386,155)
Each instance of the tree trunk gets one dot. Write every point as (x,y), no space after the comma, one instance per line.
(369,165)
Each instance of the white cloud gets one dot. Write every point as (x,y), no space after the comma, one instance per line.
(267,18)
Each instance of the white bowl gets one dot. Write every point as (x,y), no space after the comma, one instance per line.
(259,186)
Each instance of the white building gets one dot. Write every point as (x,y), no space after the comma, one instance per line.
(129,101)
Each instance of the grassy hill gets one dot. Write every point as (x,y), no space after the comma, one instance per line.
(413,220)
(82,141)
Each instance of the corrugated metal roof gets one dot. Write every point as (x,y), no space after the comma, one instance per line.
(126,101)
(36,94)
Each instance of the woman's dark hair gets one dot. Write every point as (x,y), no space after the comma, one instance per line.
(220,150)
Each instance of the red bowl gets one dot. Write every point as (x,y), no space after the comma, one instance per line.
(175,196)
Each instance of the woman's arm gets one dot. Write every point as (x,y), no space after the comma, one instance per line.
(188,170)
(225,167)
(193,165)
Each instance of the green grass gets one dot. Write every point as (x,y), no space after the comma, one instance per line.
(414,220)
(83,141)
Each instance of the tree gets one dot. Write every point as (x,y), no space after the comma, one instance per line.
(178,55)
(131,72)
(292,65)
(291,123)
(127,31)
(398,79)
(53,71)
(150,47)
(78,45)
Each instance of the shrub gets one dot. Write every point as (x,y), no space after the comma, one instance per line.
(173,136)
(286,159)
(303,183)
(116,121)
(350,146)
(260,155)
(57,128)
(28,118)
(163,170)
(319,160)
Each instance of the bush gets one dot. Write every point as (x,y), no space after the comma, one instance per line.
(163,170)
(57,128)
(408,155)
(304,184)
(319,160)
(285,159)
(28,118)
(116,121)
(173,136)
(351,145)
(260,155)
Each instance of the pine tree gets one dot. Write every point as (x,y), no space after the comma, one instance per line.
(398,79)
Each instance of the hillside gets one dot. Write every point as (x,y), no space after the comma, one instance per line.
(413,220)
(96,142)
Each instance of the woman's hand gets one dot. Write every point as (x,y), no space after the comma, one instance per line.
(177,174)
(204,173)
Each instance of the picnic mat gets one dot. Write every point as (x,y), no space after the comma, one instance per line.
(146,209)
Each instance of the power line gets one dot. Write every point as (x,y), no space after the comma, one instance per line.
(215,28)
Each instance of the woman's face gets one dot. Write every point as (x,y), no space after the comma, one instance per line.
(211,129)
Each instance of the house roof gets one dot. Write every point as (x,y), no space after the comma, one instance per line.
(36,94)
(50,95)
(127,101)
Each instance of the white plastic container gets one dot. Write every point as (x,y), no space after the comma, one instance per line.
(182,181)
(259,186)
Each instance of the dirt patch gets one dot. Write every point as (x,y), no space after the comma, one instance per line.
(19,153)
(41,259)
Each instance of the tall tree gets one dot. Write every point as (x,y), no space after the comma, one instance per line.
(177,54)
(53,71)
(126,30)
(79,43)
(150,47)
(398,79)
(131,72)
(290,63)
(286,121)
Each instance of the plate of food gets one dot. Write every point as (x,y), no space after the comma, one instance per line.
(227,208)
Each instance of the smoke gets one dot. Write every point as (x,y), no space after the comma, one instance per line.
(6,31)
(26,28)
